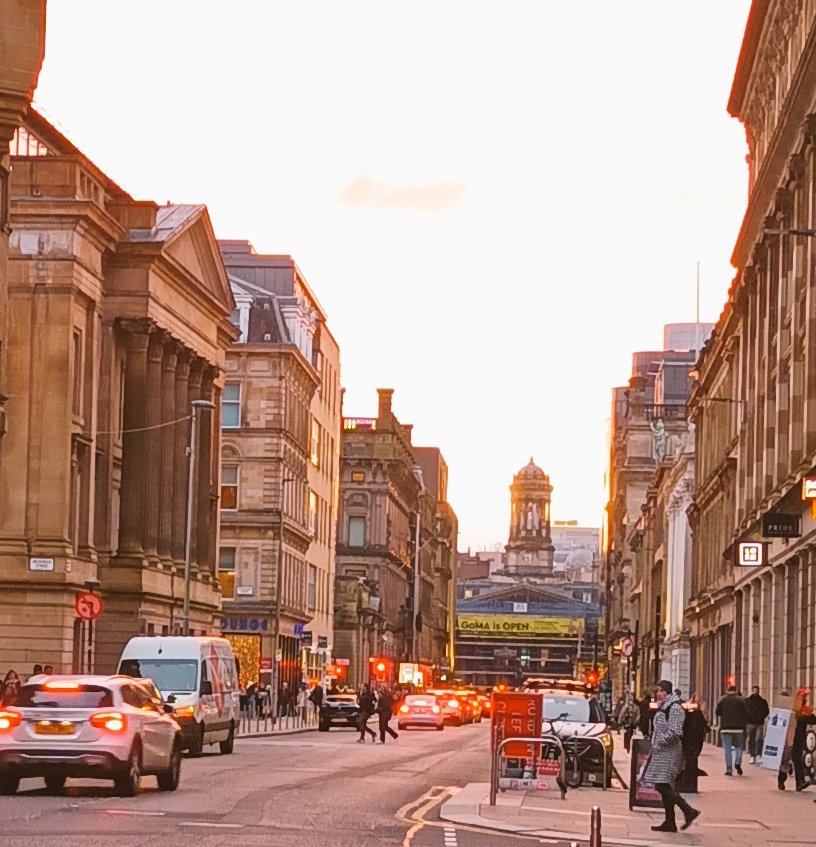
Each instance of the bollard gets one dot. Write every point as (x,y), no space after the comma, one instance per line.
(595,828)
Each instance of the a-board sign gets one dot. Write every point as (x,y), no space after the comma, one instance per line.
(517,714)
(642,794)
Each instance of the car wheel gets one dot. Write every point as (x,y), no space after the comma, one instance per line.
(55,782)
(226,746)
(323,727)
(440,727)
(196,747)
(168,780)
(400,726)
(9,785)
(127,782)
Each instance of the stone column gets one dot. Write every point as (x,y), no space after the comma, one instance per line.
(153,457)
(193,393)
(205,488)
(169,437)
(134,441)
(181,435)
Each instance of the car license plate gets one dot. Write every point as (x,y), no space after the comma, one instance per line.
(420,711)
(53,728)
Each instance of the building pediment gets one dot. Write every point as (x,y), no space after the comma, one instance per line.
(524,593)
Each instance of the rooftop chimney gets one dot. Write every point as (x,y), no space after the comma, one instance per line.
(384,405)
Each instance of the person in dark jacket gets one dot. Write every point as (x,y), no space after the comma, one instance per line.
(733,720)
(645,724)
(695,728)
(756,711)
(385,710)
(368,705)
(804,719)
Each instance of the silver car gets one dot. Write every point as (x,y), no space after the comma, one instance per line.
(99,727)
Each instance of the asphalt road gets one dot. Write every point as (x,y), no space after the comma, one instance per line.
(308,790)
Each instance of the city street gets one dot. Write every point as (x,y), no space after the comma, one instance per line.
(308,789)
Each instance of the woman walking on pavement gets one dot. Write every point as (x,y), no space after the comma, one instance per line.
(9,689)
(385,709)
(666,760)
(367,702)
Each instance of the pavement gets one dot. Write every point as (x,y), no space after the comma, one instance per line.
(749,811)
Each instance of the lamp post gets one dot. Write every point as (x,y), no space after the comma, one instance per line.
(188,540)
(277,613)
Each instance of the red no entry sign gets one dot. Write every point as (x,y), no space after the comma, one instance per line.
(88,606)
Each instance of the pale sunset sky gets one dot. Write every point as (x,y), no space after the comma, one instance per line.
(495,202)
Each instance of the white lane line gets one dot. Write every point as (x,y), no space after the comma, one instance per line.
(135,813)
(450,837)
(213,825)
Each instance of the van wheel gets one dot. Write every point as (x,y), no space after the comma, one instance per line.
(127,783)
(55,782)
(168,780)
(226,746)
(9,785)
(196,747)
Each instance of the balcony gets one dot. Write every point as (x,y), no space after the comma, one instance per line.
(359,424)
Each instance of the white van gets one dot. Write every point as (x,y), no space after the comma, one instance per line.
(198,676)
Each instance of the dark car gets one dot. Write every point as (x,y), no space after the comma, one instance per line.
(579,720)
(338,710)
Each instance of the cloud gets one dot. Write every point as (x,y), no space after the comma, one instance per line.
(373,193)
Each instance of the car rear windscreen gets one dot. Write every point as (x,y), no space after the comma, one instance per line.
(84,697)
(173,675)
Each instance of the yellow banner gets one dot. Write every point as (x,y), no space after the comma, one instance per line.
(518,625)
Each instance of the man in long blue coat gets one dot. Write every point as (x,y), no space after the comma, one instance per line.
(666,760)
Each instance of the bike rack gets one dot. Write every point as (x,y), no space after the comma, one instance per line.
(548,738)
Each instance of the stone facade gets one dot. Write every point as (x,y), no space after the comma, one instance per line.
(118,315)
(281,443)
(22,46)
(755,402)
(529,545)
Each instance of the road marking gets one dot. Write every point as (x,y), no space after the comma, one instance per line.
(212,824)
(138,813)
(450,837)
(409,836)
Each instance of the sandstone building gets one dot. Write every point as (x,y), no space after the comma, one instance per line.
(118,319)
(754,403)
(280,466)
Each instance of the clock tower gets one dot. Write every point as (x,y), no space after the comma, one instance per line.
(529,547)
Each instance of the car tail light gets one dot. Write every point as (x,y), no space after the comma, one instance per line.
(185,711)
(454,704)
(436,710)
(8,720)
(404,709)
(62,685)
(111,721)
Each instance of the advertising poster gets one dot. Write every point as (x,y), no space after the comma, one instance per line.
(642,794)
(776,738)
(517,715)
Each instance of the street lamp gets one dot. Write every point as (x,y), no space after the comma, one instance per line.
(191,454)
(277,615)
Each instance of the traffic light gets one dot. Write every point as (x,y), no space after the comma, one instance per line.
(592,678)
(380,668)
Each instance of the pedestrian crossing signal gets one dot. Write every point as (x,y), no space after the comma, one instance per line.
(592,678)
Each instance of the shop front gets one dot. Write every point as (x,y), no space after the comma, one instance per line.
(251,640)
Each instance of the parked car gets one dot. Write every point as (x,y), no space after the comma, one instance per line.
(199,677)
(454,711)
(471,699)
(98,727)
(338,710)
(581,723)
(420,710)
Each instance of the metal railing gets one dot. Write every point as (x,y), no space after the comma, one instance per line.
(263,721)
(546,739)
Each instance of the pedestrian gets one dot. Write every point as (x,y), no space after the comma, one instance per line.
(616,713)
(666,761)
(251,700)
(36,671)
(645,724)
(804,719)
(302,701)
(629,719)
(316,698)
(9,689)
(733,720)
(695,728)
(283,700)
(48,670)
(367,703)
(756,712)
(385,711)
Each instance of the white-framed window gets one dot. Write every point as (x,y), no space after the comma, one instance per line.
(356,532)
(314,453)
(226,571)
(312,513)
(311,588)
(231,406)
(229,487)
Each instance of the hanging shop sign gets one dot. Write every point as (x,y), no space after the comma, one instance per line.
(750,554)
(809,488)
(518,624)
(780,525)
